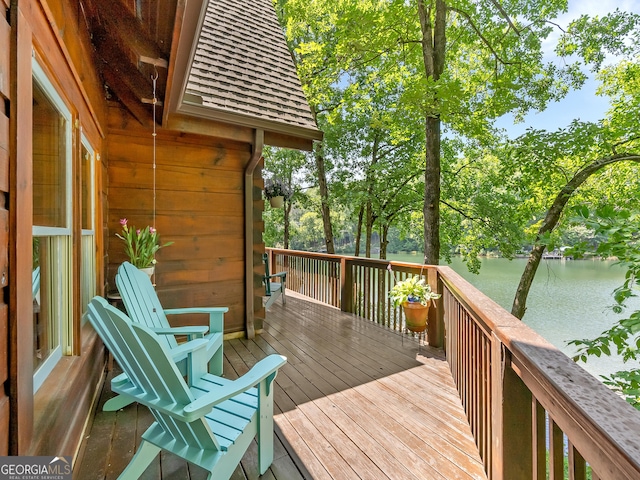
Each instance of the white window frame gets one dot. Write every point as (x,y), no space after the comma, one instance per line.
(65,328)
(88,235)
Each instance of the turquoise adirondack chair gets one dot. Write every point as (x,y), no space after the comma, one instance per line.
(35,283)
(273,289)
(143,306)
(209,422)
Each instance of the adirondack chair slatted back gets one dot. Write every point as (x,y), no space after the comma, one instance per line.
(35,282)
(154,377)
(267,274)
(141,300)
(210,422)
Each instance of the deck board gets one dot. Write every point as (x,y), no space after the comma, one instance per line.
(354,400)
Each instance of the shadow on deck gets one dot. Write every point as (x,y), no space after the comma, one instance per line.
(353,401)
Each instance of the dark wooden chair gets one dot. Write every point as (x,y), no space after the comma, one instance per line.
(275,285)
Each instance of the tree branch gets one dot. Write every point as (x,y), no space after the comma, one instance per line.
(482,37)
(505,16)
(623,142)
(550,221)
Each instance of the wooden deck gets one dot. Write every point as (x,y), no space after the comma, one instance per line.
(354,401)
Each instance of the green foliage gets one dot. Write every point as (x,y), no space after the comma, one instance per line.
(414,289)
(274,187)
(617,33)
(621,230)
(140,245)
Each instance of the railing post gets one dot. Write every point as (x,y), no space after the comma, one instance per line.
(512,444)
(346,286)
(435,324)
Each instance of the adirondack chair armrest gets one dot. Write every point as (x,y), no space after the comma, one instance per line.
(216,315)
(119,380)
(262,370)
(182,350)
(282,275)
(192,332)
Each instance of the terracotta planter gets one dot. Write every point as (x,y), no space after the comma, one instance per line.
(415,316)
(277,202)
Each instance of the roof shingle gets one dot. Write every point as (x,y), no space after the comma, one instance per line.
(242,65)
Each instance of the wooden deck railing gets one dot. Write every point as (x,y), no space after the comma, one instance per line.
(533,412)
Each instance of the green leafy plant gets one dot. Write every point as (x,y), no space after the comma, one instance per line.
(276,188)
(621,230)
(141,245)
(412,290)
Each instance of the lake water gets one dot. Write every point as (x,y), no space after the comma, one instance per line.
(568,299)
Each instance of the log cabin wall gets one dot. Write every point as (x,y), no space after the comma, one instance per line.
(199,206)
(5,36)
(51,422)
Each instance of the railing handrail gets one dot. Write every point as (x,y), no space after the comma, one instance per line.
(560,385)
(364,261)
(597,422)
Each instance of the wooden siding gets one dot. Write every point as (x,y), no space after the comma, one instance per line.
(199,206)
(5,76)
(51,30)
(65,400)
(354,400)
(20,261)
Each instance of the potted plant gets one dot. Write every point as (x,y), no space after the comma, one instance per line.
(415,296)
(276,191)
(141,246)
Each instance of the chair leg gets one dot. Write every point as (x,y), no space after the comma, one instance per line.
(215,364)
(140,461)
(116,403)
(265,425)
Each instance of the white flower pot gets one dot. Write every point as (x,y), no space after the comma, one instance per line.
(277,202)
(148,270)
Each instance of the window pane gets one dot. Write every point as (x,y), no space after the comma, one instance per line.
(46,294)
(52,262)
(88,271)
(87,184)
(49,162)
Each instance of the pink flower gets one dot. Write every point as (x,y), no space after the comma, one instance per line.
(152,230)
(138,232)
(123,222)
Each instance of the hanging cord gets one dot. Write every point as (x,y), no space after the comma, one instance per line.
(154,79)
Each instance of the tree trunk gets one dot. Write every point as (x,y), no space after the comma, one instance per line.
(384,241)
(369,215)
(359,230)
(550,221)
(368,225)
(324,200)
(431,209)
(433,54)
(287,213)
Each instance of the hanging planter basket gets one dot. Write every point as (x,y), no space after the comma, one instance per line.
(415,316)
(277,202)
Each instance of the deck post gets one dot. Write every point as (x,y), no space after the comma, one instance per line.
(346,286)
(512,448)
(435,324)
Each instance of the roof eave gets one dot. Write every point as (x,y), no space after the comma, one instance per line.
(211,113)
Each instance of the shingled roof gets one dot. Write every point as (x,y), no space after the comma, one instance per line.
(242,68)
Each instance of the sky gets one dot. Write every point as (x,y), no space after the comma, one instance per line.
(582,104)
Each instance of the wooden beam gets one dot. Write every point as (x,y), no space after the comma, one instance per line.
(130,34)
(20,217)
(129,100)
